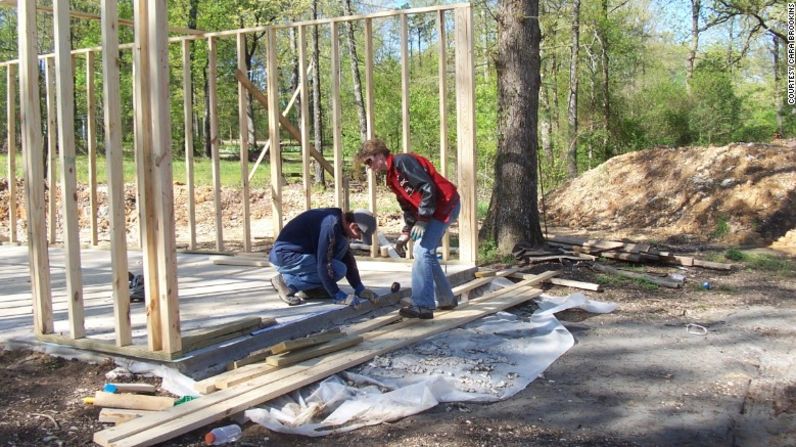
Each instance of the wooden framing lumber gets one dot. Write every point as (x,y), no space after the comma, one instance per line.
(642,276)
(243,129)
(374,323)
(163,176)
(263,99)
(242,261)
(52,147)
(11,132)
(66,137)
(91,143)
(305,342)
(120,415)
(713,265)
(132,401)
(304,116)
(143,388)
(404,30)
(272,68)
(465,135)
(115,172)
(370,131)
(443,113)
(207,336)
(212,95)
(153,429)
(187,113)
(563,282)
(254,357)
(30,114)
(290,358)
(334,97)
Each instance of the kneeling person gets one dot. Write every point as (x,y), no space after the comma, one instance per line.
(312,253)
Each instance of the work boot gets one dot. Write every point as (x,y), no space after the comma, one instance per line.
(284,291)
(445,305)
(316,293)
(416,312)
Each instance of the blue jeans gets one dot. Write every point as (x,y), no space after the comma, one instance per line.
(426,271)
(302,272)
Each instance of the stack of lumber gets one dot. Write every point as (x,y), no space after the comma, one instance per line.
(293,364)
(627,251)
(122,402)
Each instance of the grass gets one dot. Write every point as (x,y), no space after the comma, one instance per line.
(721,229)
(621,281)
(229,170)
(761,261)
(488,254)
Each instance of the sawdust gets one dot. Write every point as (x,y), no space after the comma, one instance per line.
(735,194)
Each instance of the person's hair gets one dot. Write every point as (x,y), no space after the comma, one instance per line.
(371,148)
(349,216)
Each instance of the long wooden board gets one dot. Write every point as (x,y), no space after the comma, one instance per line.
(289,358)
(150,430)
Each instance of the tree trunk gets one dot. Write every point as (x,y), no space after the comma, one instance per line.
(352,53)
(206,116)
(572,150)
(513,215)
(778,87)
(692,50)
(251,123)
(607,151)
(193,14)
(317,112)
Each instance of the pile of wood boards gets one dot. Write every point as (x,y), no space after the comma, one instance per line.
(122,402)
(586,249)
(291,365)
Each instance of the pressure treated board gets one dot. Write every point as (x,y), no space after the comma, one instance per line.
(150,430)
(289,358)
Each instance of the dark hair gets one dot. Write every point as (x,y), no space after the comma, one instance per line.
(371,148)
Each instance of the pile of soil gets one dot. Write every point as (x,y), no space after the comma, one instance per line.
(737,194)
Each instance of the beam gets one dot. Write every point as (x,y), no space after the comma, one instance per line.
(11,122)
(88,16)
(187,112)
(142,90)
(262,98)
(337,136)
(369,120)
(163,175)
(405,143)
(272,68)
(465,135)
(31,141)
(66,138)
(443,115)
(52,146)
(305,118)
(243,129)
(91,142)
(114,155)
(212,76)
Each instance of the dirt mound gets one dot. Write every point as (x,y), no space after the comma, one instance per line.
(740,193)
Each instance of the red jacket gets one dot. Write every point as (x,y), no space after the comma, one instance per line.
(422,192)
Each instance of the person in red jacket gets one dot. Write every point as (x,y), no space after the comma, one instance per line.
(430,203)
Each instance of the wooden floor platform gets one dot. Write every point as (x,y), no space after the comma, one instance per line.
(210,295)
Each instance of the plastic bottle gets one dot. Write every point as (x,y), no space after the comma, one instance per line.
(223,435)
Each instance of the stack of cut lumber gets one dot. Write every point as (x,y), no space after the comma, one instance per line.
(253,384)
(122,402)
(627,251)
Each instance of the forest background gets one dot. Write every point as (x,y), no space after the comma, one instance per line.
(617,76)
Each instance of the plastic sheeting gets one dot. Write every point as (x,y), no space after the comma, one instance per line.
(488,360)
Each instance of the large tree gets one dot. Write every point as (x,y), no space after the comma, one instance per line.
(513,215)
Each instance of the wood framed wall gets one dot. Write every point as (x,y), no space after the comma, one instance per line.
(153,142)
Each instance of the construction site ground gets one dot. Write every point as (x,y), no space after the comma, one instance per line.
(695,366)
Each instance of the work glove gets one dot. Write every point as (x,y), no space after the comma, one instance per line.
(345,299)
(418,230)
(400,244)
(367,294)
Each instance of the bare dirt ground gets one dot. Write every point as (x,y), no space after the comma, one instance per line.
(635,377)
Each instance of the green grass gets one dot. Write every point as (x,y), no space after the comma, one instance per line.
(621,281)
(721,229)
(488,254)
(758,261)
(229,170)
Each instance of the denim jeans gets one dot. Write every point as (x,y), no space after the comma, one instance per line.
(302,273)
(427,275)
